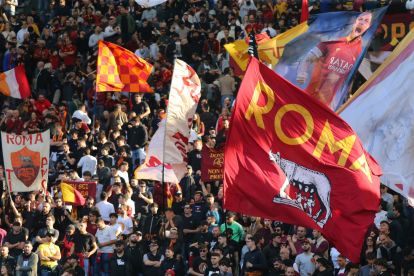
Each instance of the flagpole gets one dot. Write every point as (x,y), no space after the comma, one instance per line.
(163,157)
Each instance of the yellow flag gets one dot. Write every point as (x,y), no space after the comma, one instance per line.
(269,51)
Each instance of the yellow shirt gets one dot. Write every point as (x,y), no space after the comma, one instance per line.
(48,250)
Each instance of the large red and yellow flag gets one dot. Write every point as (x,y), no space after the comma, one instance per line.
(269,50)
(118,69)
(288,157)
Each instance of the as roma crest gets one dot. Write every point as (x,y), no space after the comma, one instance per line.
(26,165)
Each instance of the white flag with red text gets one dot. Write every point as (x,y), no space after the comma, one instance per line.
(382,114)
(26,161)
(170,142)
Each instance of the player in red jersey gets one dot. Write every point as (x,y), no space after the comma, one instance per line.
(333,60)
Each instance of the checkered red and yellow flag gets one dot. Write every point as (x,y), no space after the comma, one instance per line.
(118,69)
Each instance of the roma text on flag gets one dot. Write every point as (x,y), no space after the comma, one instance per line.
(26,161)
(120,70)
(288,157)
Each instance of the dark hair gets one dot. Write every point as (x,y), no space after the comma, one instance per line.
(104,195)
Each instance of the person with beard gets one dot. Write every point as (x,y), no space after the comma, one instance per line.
(119,261)
(134,252)
(27,261)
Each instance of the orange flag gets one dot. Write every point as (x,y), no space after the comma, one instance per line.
(118,69)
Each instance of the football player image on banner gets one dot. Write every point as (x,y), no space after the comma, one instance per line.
(26,161)
(329,54)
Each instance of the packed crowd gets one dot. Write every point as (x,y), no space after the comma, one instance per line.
(129,229)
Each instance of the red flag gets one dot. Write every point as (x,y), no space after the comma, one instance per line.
(290,158)
(304,16)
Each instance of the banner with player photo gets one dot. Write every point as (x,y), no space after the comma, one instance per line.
(26,161)
(323,60)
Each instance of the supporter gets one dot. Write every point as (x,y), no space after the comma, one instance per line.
(15,239)
(27,262)
(152,223)
(104,207)
(105,237)
(43,233)
(254,261)
(85,246)
(238,232)
(390,252)
(153,260)
(49,255)
(119,261)
(72,265)
(303,261)
(6,259)
(135,252)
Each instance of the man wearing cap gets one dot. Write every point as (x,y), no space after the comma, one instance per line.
(238,232)
(178,203)
(118,262)
(200,263)
(85,246)
(152,260)
(49,255)
(303,261)
(135,253)
(105,238)
(27,261)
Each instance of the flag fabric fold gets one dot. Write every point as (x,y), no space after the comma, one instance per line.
(269,50)
(382,113)
(71,195)
(170,142)
(120,70)
(13,83)
(290,158)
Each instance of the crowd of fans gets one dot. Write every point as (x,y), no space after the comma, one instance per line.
(129,229)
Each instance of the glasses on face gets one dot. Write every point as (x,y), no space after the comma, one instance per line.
(204,250)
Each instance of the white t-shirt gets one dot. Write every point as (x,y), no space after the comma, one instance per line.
(105,209)
(88,163)
(105,235)
(124,175)
(126,224)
